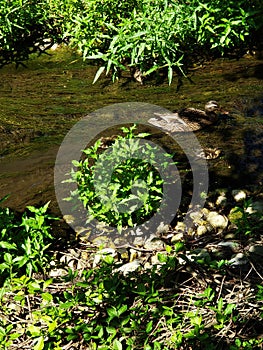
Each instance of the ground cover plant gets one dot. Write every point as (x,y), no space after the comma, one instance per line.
(178,302)
(141,36)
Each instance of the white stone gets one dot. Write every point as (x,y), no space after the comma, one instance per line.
(239,195)
(218,221)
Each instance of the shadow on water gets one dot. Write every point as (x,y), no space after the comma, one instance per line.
(41,103)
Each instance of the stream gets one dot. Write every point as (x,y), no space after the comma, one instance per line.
(41,102)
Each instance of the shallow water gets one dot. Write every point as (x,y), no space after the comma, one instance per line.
(40,103)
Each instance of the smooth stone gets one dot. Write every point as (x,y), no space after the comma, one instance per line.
(177,237)
(180,227)
(129,267)
(197,216)
(238,259)
(221,200)
(201,230)
(154,244)
(218,221)
(239,195)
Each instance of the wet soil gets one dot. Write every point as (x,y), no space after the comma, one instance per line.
(40,104)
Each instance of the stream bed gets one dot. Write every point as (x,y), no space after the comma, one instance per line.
(41,102)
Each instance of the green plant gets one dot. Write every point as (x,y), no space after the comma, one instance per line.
(247,218)
(159,37)
(117,186)
(23,244)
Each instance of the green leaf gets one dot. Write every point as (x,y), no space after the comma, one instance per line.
(47,297)
(7,245)
(229,309)
(35,331)
(122,309)
(149,327)
(98,74)
(117,345)
(112,312)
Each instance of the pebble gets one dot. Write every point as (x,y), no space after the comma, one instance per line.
(154,244)
(218,221)
(177,237)
(239,195)
(238,259)
(129,267)
(201,230)
(221,200)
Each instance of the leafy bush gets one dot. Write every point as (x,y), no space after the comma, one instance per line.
(131,193)
(159,35)
(146,35)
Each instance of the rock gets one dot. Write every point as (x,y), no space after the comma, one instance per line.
(256,253)
(199,254)
(162,228)
(120,241)
(201,230)
(229,235)
(154,243)
(69,219)
(83,233)
(197,216)
(218,221)
(129,267)
(239,195)
(177,237)
(103,241)
(234,246)
(138,241)
(238,259)
(180,227)
(221,200)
